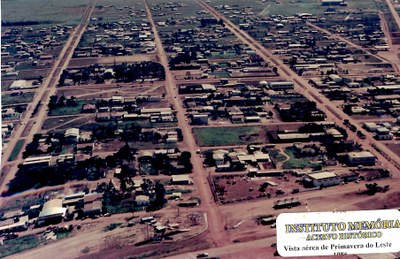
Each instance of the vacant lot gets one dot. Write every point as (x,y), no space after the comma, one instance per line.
(13,99)
(16,150)
(50,11)
(51,123)
(220,136)
(68,110)
(18,245)
(395,147)
(236,188)
(295,162)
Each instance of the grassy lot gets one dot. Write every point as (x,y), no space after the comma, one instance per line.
(227,136)
(16,150)
(32,74)
(294,162)
(23,98)
(51,11)
(277,155)
(285,7)
(69,110)
(14,246)
(54,122)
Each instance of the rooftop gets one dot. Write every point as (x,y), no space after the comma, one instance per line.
(322,175)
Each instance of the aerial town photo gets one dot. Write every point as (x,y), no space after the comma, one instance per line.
(184,128)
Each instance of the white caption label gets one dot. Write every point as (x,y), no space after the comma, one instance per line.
(338,233)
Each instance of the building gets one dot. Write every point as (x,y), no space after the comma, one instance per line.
(181,179)
(250,119)
(361,158)
(103,116)
(37,161)
(72,135)
(219,158)
(350,176)
(156,111)
(92,208)
(370,126)
(332,2)
(52,212)
(324,179)
(199,119)
(383,133)
(10,225)
(73,199)
(334,133)
(281,85)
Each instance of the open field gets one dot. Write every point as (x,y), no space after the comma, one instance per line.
(295,162)
(220,136)
(240,188)
(32,74)
(69,110)
(51,11)
(14,246)
(54,122)
(7,99)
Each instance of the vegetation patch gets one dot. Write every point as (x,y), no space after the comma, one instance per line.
(227,136)
(297,162)
(17,98)
(16,150)
(18,245)
(277,155)
(67,109)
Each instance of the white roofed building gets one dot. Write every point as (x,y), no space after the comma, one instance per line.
(324,179)
(52,212)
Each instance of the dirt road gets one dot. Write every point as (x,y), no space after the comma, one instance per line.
(199,175)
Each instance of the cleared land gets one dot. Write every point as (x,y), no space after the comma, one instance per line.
(39,11)
(21,98)
(297,162)
(220,136)
(14,246)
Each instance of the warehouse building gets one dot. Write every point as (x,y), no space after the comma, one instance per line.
(52,212)
(361,158)
(324,179)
